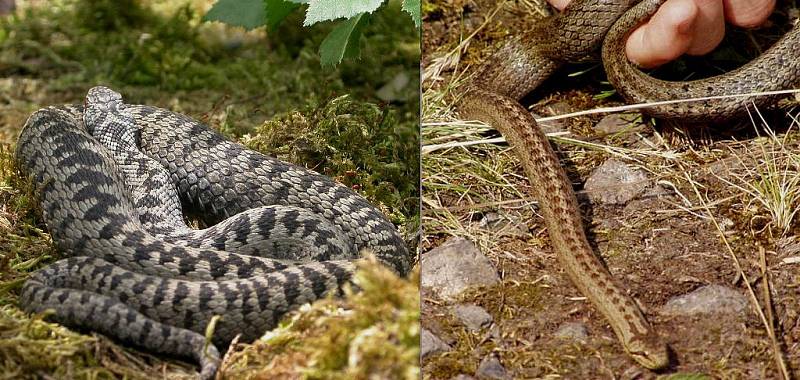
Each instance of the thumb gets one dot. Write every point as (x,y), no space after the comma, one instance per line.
(665,37)
(559,4)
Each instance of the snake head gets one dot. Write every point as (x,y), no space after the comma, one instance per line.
(649,351)
(105,118)
(101,96)
(99,100)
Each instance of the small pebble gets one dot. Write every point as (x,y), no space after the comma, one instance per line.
(709,299)
(614,182)
(473,317)
(455,266)
(574,331)
(430,344)
(491,368)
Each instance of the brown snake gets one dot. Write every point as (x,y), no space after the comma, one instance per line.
(524,61)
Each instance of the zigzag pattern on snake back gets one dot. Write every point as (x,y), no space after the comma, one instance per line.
(154,286)
(526,60)
(282,232)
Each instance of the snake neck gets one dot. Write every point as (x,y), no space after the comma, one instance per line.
(515,69)
(523,62)
(156,200)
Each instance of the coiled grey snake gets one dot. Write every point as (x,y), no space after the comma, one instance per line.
(281,235)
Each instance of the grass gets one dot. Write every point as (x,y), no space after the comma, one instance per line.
(267,90)
(769,175)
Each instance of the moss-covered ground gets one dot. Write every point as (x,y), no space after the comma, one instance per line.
(357,123)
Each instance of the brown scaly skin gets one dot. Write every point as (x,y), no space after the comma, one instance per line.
(523,62)
(776,69)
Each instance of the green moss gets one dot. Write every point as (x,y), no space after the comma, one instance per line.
(449,365)
(522,295)
(469,348)
(31,346)
(23,243)
(429,8)
(357,143)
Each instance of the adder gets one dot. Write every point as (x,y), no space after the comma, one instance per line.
(527,59)
(113,181)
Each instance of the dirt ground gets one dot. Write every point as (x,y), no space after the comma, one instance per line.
(715,193)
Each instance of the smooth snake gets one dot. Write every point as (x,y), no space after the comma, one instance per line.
(525,60)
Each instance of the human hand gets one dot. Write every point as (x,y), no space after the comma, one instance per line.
(693,27)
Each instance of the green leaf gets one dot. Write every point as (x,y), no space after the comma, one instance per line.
(413,8)
(343,41)
(249,14)
(277,10)
(323,10)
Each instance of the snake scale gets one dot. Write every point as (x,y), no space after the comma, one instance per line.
(525,60)
(113,179)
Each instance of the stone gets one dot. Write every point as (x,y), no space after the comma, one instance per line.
(574,331)
(392,91)
(463,377)
(491,368)
(615,123)
(555,109)
(614,182)
(455,266)
(494,222)
(473,317)
(710,299)
(430,344)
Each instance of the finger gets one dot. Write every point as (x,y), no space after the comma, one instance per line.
(559,4)
(665,37)
(748,13)
(709,27)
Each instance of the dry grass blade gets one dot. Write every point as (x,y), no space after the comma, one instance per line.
(427,147)
(451,59)
(638,106)
(773,181)
(776,348)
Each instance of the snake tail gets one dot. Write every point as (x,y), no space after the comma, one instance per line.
(559,207)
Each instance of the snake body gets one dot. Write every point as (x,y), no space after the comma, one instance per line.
(156,285)
(778,68)
(303,235)
(525,60)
